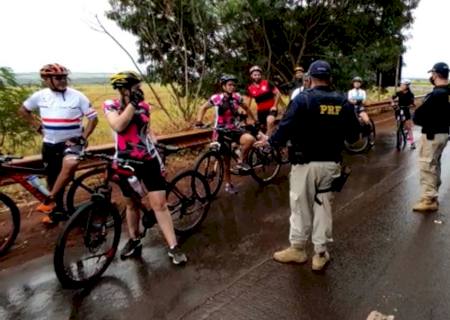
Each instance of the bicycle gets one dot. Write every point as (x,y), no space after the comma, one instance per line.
(19,174)
(402,131)
(264,163)
(365,140)
(93,231)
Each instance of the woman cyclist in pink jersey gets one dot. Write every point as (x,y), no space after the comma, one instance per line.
(227,104)
(129,117)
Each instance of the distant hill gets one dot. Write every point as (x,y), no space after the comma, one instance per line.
(76,78)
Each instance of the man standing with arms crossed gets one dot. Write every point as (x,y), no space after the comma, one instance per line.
(317,122)
(434,118)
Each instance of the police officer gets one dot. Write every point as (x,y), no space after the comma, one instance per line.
(434,118)
(317,123)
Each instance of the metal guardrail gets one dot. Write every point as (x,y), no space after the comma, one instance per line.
(186,139)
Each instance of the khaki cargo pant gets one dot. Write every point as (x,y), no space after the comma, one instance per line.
(306,214)
(430,153)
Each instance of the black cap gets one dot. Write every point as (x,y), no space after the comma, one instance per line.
(320,69)
(440,68)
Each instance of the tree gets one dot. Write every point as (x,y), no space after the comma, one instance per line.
(189,43)
(175,38)
(14,132)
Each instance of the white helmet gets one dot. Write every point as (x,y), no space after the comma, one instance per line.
(405,81)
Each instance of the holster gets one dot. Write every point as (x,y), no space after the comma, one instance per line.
(296,156)
(430,136)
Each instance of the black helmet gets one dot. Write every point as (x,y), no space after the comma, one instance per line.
(227,77)
(125,79)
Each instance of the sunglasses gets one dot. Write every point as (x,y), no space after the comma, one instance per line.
(59,78)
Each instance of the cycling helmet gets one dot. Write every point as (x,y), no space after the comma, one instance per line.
(298,68)
(405,81)
(125,79)
(255,68)
(227,77)
(357,79)
(53,69)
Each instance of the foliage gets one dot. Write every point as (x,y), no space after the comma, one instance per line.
(14,131)
(187,44)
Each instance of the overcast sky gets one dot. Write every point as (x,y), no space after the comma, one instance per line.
(36,32)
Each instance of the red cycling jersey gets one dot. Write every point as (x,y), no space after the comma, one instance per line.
(263,93)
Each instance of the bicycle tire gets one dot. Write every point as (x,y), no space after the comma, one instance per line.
(401,138)
(211,166)
(259,159)
(83,218)
(81,183)
(182,196)
(13,215)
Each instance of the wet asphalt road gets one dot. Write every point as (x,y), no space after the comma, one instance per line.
(385,258)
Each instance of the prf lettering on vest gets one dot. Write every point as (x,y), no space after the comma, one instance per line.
(330,110)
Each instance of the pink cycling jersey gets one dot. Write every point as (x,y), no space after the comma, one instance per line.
(226,109)
(133,142)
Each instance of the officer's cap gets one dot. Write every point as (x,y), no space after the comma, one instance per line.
(440,68)
(320,69)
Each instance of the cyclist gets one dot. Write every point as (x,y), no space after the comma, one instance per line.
(266,96)
(129,118)
(61,110)
(404,98)
(227,104)
(306,84)
(357,97)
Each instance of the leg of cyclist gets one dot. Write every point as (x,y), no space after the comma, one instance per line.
(229,187)
(246,141)
(270,125)
(52,157)
(156,185)
(164,218)
(364,117)
(72,150)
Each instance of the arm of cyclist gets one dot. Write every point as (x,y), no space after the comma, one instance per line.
(201,113)
(277,99)
(247,109)
(30,118)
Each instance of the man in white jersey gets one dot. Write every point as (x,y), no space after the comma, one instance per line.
(61,111)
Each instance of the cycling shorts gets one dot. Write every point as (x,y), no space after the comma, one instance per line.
(149,173)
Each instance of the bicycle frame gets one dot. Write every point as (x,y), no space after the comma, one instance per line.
(19,175)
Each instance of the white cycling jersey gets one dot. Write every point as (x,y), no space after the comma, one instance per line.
(357,94)
(61,113)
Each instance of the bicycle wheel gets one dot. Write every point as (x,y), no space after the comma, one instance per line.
(360,145)
(265,165)
(9,223)
(90,182)
(210,165)
(401,138)
(189,200)
(87,244)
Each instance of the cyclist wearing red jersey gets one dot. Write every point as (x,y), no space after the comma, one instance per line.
(266,96)
(227,104)
(129,117)
(61,111)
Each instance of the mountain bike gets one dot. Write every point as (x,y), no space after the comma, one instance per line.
(265,163)
(9,212)
(402,131)
(365,140)
(90,238)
